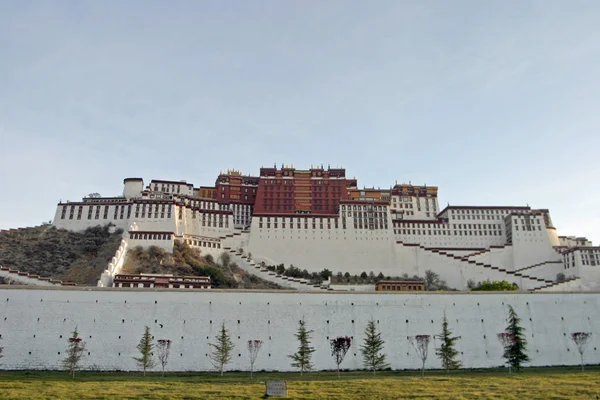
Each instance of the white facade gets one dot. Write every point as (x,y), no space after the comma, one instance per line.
(460,243)
(36,323)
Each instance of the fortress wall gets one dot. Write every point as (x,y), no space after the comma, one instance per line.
(546,270)
(112,321)
(532,247)
(345,250)
(75,224)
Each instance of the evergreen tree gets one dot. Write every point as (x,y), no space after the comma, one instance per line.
(446,352)
(371,350)
(515,352)
(145,346)
(75,352)
(302,358)
(221,354)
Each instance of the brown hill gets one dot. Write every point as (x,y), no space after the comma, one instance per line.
(81,257)
(189,261)
(78,257)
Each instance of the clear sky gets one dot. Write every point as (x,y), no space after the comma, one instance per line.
(495,102)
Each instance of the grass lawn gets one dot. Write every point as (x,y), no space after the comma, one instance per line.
(532,383)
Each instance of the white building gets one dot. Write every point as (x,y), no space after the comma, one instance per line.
(396,231)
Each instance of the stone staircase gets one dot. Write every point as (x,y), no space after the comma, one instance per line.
(560,286)
(25,278)
(531,282)
(251,267)
(233,243)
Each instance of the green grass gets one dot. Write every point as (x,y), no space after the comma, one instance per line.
(532,383)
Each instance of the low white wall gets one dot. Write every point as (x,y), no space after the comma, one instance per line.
(35,325)
(26,280)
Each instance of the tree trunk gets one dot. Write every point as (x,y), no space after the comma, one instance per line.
(581,362)
(423,369)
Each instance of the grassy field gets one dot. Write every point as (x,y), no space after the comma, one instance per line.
(548,383)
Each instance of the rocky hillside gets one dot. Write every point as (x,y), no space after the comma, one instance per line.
(189,261)
(81,257)
(78,257)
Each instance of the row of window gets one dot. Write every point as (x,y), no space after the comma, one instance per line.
(116,215)
(445,232)
(365,208)
(151,236)
(200,243)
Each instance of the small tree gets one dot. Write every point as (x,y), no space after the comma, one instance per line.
(506,339)
(372,347)
(339,348)
(446,352)
(581,339)
(421,345)
(1,349)
(254,347)
(163,348)
(302,358)
(221,354)
(225,259)
(75,352)
(145,346)
(516,351)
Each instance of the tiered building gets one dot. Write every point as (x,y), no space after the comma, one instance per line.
(318,218)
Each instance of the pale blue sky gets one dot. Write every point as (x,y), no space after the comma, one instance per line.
(495,102)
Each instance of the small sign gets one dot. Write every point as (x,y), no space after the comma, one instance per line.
(276,388)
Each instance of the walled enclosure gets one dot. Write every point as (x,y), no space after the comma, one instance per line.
(36,322)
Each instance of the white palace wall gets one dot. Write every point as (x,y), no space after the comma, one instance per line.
(346,250)
(35,325)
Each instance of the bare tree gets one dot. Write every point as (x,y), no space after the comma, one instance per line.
(339,348)
(581,340)
(254,347)
(75,352)
(163,348)
(421,345)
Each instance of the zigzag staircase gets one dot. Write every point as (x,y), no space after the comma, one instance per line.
(540,282)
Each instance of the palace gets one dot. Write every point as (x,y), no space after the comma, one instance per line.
(318,218)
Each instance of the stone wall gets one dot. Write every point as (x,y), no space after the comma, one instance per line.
(36,322)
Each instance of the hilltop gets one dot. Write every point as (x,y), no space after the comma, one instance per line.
(78,257)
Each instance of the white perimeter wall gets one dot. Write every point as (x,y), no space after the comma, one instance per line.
(112,321)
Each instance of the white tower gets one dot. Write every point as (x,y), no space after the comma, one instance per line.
(132,187)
